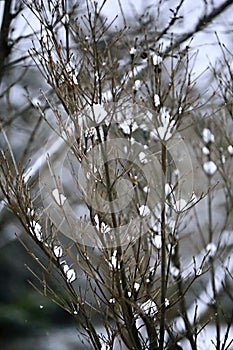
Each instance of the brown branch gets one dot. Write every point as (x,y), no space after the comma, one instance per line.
(163,249)
(5,48)
(203,22)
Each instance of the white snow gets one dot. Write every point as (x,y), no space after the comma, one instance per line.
(36,230)
(211,249)
(144,210)
(164,132)
(136,286)
(69,272)
(128,125)
(58,251)
(176,172)
(104,228)
(96,218)
(137,85)
(205,150)
(210,167)
(157,241)
(65,267)
(71,275)
(230,150)
(156,59)
(156,100)
(59,197)
(168,189)
(146,189)
(149,308)
(114,263)
(207,135)
(142,158)
(133,51)
(174,271)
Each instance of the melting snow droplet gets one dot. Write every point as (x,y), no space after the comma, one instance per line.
(230,150)
(157,241)
(156,60)
(71,275)
(65,268)
(137,85)
(142,158)
(205,150)
(136,286)
(210,167)
(146,189)
(58,251)
(132,51)
(156,100)
(207,135)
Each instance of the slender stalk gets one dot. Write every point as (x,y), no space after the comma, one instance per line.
(181,290)
(183,307)
(121,278)
(163,249)
(212,271)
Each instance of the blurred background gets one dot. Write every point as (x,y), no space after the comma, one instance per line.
(27,318)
